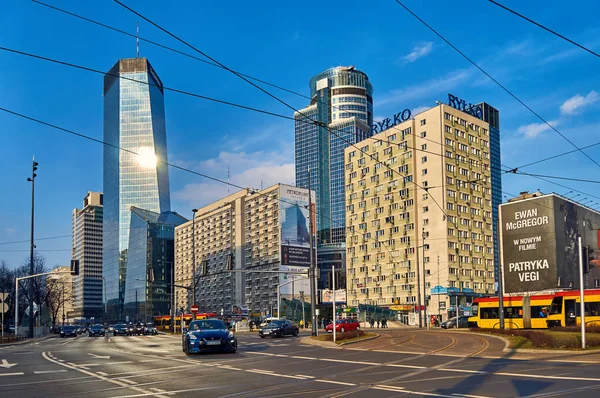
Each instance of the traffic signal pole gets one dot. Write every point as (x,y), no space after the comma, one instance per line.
(313,265)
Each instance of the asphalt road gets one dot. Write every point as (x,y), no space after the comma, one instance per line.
(399,363)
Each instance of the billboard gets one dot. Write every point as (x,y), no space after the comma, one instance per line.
(539,242)
(300,283)
(327,296)
(294,226)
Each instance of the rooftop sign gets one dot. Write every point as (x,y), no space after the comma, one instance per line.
(461,105)
(387,123)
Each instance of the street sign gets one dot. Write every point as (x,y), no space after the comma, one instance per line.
(3,296)
(194,308)
(3,308)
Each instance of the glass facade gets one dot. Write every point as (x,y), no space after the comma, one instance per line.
(492,116)
(151,246)
(134,120)
(342,106)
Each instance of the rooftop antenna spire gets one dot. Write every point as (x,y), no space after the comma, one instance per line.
(137,41)
(228,179)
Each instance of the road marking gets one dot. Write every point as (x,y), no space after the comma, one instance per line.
(128,381)
(567,361)
(269,373)
(297,357)
(394,365)
(7,365)
(102,373)
(342,383)
(118,363)
(281,355)
(470,396)
(306,376)
(99,356)
(42,372)
(263,370)
(388,388)
(464,371)
(546,377)
(104,378)
(12,374)
(229,367)
(346,361)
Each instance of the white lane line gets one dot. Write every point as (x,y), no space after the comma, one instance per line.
(128,381)
(42,372)
(104,378)
(229,367)
(346,361)
(300,357)
(465,371)
(470,396)
(102,373)
(12,374)
(567,361)
(306,376)
(392,389)
(269,373)
(395,365)
(263,370)
(281,355)
(545,377)
(342,383)
(118,363)
(86,365)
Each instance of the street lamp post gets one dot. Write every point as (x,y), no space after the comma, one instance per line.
(313,265)
(303,317)
(32,246)
(194,256)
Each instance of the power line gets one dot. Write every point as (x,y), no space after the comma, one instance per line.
(27,240)
(554,177)
(545,28)
(497,82)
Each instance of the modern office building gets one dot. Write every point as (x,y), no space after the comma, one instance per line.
(151,255)
(340,114)
(136,174)
(420,211)
(246,232)
(87,248)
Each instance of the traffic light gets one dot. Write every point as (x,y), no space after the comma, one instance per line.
(229,263)
(589,258)
(74,267)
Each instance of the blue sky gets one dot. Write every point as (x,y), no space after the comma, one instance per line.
(285,44)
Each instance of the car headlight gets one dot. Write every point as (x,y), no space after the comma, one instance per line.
(230,335)
(193,337)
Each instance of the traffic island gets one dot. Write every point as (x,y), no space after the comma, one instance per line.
(540,340)
(326,340)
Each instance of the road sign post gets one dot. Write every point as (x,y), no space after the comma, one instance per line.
(194,308)
(3,309)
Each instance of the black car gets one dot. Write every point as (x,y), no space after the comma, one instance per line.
(67,331)
(120,328)
(150,329)
(208,335)
(279,329)
(96,330)
(138,329)
(463,322)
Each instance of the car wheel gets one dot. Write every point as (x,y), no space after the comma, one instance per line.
(296,333)
(342,330)
(262,337)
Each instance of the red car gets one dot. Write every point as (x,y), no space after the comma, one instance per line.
(343,325)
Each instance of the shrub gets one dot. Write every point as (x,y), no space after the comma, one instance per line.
(343,336)
(552,339)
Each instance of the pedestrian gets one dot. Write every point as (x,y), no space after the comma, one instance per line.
(377,323)
(323,323)
(372,322)
(384,323)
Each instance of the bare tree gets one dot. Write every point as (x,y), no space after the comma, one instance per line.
(39,284)
(7,285)
(59,292)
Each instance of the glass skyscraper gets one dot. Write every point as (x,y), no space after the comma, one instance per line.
(151,247)
(340,114)
(134,121)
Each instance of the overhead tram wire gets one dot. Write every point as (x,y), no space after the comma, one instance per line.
(545,28)
(88,69)
(496,81)
(249,76)
(164,46)
(27,240)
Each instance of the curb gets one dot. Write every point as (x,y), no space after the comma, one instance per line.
(331,344)
(538,350)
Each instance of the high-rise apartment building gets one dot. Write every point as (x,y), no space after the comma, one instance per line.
(134,175)
(340,114)
(87,248)
(151,253)
(247,231)
(420,204)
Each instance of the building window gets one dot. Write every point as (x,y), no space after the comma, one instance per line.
(423,172)
(423,134)
(424,147)
(423,159)
(423,122)
(425,209)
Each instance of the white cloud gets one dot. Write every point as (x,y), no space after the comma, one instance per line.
(251,170)
(534,129)
(426,89)
(573,104)
(419,51)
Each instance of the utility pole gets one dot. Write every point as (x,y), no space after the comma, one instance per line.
(303,317)
(34,165)
(425,286)
(419,291)
(194,256)
(313,266)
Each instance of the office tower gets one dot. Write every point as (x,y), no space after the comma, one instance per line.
(134,175)
(247,231)
(87,248)
(424,208)
(150,264)
(340,114)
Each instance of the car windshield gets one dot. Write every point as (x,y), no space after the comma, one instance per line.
(97,327)
(68,327)
(274,324)
(120,325)
(207,324)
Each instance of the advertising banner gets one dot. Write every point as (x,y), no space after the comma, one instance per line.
(239,310)
(294,219)
(300,282)
(327,296)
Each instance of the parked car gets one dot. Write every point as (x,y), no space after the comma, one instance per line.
(343,325)
(279,329)
(68,331)
(120,329)
(208,335)
(96,330)
(463,322)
